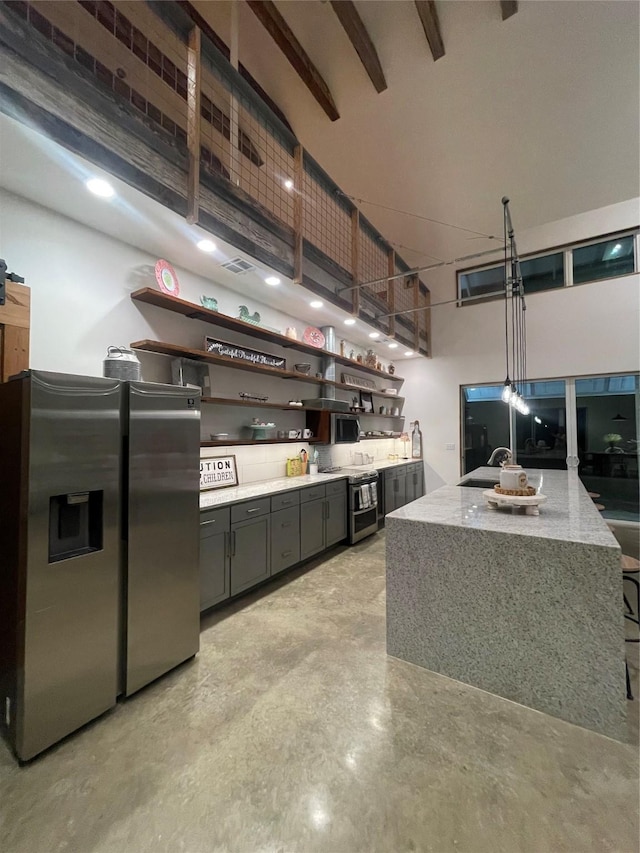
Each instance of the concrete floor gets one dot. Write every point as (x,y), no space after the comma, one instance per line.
(293,732)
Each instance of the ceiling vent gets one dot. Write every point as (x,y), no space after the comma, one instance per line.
(238,266)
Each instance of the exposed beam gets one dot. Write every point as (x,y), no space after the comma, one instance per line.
(509,8)
(359,38)
(281,33)
(431,26)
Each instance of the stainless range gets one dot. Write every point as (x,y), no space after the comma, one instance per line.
(362,505)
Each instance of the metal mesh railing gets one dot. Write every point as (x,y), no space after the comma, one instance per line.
(133,50)
(326,221)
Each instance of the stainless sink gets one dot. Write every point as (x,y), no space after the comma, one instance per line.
(476,483)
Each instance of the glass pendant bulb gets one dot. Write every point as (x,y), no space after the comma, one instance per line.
(525,408)
(506,390)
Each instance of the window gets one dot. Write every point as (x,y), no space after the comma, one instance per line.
(543,273)
(603,260)
(593,420)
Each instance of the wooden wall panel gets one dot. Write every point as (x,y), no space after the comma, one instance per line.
(15,320)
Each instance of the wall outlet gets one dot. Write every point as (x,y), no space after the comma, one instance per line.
(450,446)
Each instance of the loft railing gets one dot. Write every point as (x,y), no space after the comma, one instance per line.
(146,56)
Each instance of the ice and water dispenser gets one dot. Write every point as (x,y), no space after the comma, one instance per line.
(75,524)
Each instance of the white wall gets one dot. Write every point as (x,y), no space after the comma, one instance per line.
(588,329)
(81,281)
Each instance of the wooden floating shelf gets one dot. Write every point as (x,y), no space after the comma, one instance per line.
(236,442)
(201,355)
(150,296)
(283,407)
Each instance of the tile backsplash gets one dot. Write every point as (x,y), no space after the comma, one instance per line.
(256,463)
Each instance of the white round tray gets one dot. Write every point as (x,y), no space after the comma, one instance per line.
(514,501)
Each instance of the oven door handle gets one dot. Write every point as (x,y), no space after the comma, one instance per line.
(363,511)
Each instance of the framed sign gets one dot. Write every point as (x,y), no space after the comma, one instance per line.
(217,472)
(358,382)
(236,353)
(366,401)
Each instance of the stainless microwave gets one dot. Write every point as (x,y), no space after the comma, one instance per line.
(345,429)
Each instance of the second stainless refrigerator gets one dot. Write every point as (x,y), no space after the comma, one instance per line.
(160,530)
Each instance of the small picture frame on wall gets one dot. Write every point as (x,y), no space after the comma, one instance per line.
(366,401)
(218,472)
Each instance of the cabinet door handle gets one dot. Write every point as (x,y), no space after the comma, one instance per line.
(286,503)
(226,545)
(233,543)
(285,524)
(328,509)
(286,553)
(255,509)
(205,523)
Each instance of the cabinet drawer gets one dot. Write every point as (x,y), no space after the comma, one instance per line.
(337,488)
(284,501)
(313,493)
(215,521)
(250,509)
(285,539)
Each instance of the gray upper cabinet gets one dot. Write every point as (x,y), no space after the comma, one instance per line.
(311,527)
(285,539)
(250,553)
(214,558)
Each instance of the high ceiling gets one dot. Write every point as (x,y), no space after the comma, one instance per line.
(542,107)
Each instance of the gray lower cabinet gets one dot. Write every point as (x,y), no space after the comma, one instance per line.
(336,519)
(395,489)
(214,558)
(410,484)
(250,553)
(244,544)
(419,479)
(285,539)
(312,528)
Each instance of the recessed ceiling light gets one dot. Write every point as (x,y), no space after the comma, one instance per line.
(374,334)
(206,245)
(288,184)
(409,352)
(100,187)
(350,321)
(393,345)
(316,303)
(272,280)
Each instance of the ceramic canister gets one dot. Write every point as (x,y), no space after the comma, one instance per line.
(513,477)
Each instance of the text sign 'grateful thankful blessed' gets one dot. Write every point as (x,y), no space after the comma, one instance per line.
(217,472)
(241,354)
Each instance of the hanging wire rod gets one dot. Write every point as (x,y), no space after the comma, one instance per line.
(493,293)
(415,215)
(417,270)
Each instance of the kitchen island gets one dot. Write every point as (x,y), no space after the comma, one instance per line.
(526,607)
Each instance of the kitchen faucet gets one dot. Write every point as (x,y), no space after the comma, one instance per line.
(506,456)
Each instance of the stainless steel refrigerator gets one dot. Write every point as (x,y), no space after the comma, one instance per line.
(99,518)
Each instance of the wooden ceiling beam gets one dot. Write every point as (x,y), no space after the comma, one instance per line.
(266,12)
(359,37)
(431,26)
(508,8)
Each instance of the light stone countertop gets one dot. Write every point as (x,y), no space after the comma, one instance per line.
(223,497)
(568,514)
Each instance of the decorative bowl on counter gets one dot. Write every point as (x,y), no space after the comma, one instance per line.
(302,368)
(220,436)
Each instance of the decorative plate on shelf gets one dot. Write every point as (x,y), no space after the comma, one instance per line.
(167,278)
(313,337)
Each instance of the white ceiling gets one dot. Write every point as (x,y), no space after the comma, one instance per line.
(38,169)
(543,108)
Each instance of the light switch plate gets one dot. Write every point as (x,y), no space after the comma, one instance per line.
(450,446)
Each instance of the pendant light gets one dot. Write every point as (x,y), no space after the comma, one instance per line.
(515,328)
(619,417)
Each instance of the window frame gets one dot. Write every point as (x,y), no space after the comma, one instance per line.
(567,250)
